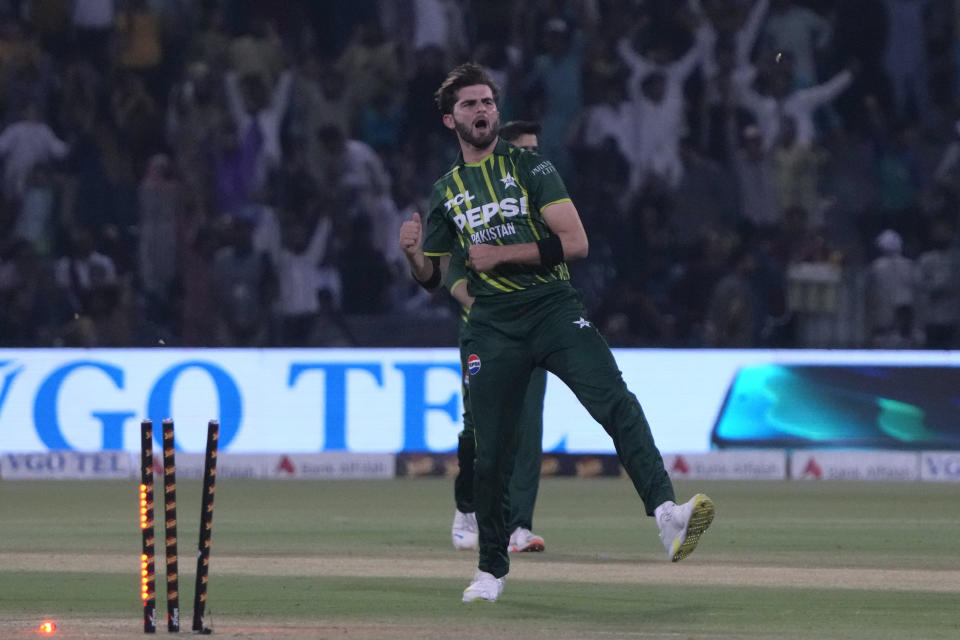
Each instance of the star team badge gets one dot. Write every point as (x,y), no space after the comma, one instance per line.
(508,181)
(473,364)
(582,323)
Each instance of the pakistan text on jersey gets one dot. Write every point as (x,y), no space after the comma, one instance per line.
(493,233)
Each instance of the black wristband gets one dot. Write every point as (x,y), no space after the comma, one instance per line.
(433,281)
(551,251)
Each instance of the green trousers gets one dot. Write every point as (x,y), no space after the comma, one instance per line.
(523,480)
(508,336)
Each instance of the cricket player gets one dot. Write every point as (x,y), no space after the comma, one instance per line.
(509,211)
(524,481)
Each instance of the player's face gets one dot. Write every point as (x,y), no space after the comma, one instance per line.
(475,117)
(527,141)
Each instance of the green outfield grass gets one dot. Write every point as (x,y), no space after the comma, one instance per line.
(374,560)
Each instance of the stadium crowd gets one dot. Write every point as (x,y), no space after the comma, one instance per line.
(751,173)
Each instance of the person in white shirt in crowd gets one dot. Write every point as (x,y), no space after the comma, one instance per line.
(756,176)
(799,104)
(83,269)
(659,121)
(354,169)
(726,64)
(608,119)
(301,279)
(23,145)
(259,117)
(890,290)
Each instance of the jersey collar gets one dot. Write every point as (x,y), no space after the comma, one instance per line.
(502,148)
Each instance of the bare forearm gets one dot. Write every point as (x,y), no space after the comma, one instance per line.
(420,266)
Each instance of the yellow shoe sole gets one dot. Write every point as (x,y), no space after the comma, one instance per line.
(700,519)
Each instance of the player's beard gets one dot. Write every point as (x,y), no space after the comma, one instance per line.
(475,139)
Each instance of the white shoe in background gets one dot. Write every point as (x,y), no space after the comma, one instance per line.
(464,533)
(525,540)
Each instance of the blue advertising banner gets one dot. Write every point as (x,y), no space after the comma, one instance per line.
(389,400)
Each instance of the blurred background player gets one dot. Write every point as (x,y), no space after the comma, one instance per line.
(524,480)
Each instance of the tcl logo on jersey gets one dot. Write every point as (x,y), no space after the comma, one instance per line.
(477,216)
(458,200)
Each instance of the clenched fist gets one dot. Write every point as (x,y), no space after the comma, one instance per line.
(411,232)
(484,257)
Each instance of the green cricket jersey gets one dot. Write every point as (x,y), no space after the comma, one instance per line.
(457,273)
(499,200)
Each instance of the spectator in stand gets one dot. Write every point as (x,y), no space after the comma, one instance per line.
(379,124)
(656,90)
(796,173)
(194,119)
(92,23)
(302,280)
(799,104)
(245,286)
(258,116)
(368,278)
(371,63)
(198,293)
(28,73)
(756,175)
(800,32)
(159,215)
(319,98)
(34,312)
(905,58)
(83,269)
(37,219)
(557,74)
(23,145)
(938,286)
(440,24)
(727,46)
(353,169)
(421,124)
(890,288)
(732,311)
(138,120)
(139,32)
(257,52)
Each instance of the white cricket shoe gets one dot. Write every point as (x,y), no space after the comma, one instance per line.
(525,540)
(682,525)
(483,587)
(464,531)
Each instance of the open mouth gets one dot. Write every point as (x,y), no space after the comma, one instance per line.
(481,125)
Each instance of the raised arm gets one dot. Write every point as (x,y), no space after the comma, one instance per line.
(815,96)
(427,270)
(747,34)
(680,69)
(281,94)
(234,99)
(318,241)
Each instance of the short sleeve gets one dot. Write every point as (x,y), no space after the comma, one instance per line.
(457,271)
(542,181)
(439,238)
